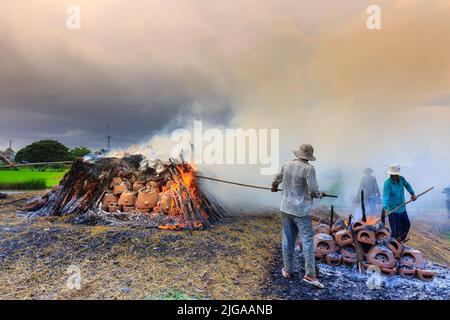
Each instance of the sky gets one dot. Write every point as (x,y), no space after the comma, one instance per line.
(311,69)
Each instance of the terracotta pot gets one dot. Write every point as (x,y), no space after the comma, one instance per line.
(318,257)
(165,202)
(395,247)
(382,234)
(366,236)
(322,228)
(146,200)
(343,237)
(388,271)
(137,186)
(348,261)
(127,199)
(358,225)
(324,243)
(113,207)
(407,272)
(115,181)
(127,209)
(109,198)
(119,189)
(411,257)
(382,257)
(425,275)
(333,259)
(338,226)
(349,251)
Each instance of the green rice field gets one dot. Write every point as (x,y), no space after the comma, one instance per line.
(27,179)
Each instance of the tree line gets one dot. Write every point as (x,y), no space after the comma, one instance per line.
(49,151)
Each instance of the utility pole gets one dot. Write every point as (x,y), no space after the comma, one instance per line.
(108,137)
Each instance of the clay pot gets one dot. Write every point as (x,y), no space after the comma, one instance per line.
(395,247)
(146,200)
(119,189)
(127,209)
(349,251)
(318,257)
(407,272)
(324,243)
(382,234)
(113,207)
(349,261)
(358,225)
(411,257)
(109,198)
(338,226)
(165,202)
(333,259)
(343,237)
(322,228)
(115,181)
(366,236)
(127,199)
(425,275)
(388,271)
(381,256)
(137,186)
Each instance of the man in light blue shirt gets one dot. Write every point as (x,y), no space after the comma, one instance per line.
(393,197)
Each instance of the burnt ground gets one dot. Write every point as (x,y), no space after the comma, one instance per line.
(238,259)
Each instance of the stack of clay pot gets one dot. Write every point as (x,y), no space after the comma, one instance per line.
(337,245)
(131,195)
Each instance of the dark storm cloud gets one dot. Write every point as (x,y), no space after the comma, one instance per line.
(72,99)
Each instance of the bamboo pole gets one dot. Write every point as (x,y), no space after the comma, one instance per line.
(407,202)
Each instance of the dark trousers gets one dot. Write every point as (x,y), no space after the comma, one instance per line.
(399,223)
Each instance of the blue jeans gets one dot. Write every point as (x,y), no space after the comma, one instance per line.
(292,226)
(399,223)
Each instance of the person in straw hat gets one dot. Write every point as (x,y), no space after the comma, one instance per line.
(372,194)
(394,196)
(299,189)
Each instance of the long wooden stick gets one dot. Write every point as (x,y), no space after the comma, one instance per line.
(405,203)
(36,164)
(247,185)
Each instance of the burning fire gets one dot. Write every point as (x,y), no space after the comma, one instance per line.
(371,220)
(183,192)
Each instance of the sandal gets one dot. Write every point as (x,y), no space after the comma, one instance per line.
(316,283)
(286,274)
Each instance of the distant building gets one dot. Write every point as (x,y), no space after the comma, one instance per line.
(9,154)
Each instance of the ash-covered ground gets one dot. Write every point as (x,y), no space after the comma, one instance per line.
(344,283)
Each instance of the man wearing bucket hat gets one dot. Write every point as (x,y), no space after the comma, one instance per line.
(394,196)
(299,189)
(447,192)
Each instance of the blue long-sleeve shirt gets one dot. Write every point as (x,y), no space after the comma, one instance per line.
(394,194)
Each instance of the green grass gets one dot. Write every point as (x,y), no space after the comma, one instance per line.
(172,294)
(29,179)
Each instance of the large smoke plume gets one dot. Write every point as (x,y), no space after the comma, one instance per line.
(313,70)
